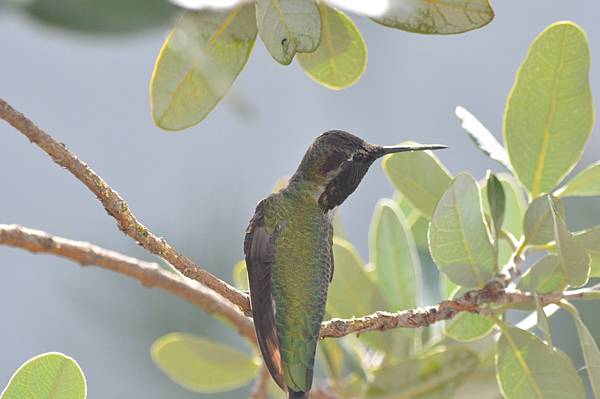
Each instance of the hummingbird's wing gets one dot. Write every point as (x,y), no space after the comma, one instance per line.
(260,252)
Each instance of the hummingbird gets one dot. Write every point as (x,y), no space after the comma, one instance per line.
(288,249)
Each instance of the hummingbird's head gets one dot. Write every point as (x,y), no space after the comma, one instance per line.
(337,161)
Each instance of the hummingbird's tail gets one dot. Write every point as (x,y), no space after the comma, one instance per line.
(297,395)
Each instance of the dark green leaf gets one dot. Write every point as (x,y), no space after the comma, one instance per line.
(106,16)
(496,201)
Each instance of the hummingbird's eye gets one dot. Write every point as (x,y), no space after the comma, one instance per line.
(359,157)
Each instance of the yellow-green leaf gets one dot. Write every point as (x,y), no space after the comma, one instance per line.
(459,241)
(419,176)
(437,16)
(527,368)
(48,376)
(240,276)
(341,58)
(542,321)
(198,63)
(395,258)
(549,113)
(288,26)
(585,184)
(202,365)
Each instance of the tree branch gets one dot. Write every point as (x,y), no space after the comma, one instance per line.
(116,207)
(261,387)
(149,274)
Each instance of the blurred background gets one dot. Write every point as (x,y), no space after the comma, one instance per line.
(198,188)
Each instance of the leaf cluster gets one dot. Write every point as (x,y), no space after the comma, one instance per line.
(475,232)
(208,48)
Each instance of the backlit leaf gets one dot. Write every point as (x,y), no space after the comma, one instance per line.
(549,113)
(465,326)
(341,58)
(437,16)
(590,239)
(288,26)
(202,365)
(198,63)
(544,276)
(240,276)
(49,375)
(585,184)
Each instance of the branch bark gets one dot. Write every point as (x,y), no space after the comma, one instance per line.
(149,274)
(116,207)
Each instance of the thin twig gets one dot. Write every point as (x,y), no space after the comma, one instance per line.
(149,274)
(116,206)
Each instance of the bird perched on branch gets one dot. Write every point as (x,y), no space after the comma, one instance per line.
(289,253)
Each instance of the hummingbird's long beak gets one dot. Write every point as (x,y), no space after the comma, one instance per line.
(410,148)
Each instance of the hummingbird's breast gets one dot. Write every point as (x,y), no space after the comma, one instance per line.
(300,275)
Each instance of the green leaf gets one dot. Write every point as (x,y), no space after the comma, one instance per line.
(394,257)
(481,136)
(590,239)
(419,176)
(416,222)
(546,275)
(354,293)
(515,204)
(549,113)
(49,375)
(458,237)
(528,368)
(496,201)
(467,327)
(288,26)
(106,16)
(202,365)
(240,276)
(198,63)
(430,376)
(585,184)
(591,353)
(440,17)
(341,58)
(542,321)
(573,259)
(538,224)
